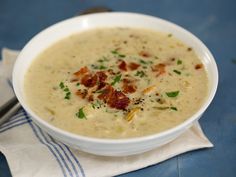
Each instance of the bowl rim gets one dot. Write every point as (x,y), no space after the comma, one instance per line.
(188,121)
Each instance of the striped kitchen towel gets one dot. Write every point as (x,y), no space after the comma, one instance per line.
(30,152)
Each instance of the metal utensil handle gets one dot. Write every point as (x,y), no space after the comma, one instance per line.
(10,113)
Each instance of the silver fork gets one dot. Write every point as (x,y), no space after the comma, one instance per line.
(8,109)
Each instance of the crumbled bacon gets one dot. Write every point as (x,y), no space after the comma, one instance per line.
(89,80)
(198,66)
(106,93)
(101,76)
(81,71)
(123,65)
(90,98)
(81,93)
(144,54)
(159,68)
(133,66)
(118,100)
(115,99)
(128,86)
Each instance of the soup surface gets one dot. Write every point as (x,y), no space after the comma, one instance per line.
(116,83)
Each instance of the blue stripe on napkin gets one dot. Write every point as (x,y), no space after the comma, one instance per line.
(15,121)
(58,148)
(62,153)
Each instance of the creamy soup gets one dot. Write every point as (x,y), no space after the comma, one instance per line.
(116,83)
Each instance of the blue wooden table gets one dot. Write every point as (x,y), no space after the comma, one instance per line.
(213,21)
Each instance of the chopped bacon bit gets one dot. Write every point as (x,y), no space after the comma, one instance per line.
(198,66)
(128,86)
(89,80)
(118,100)
(123,66)
(159,68)
(144,54)
(133,66)
(101,76)
(106,93)
(82,94)
(90,98)
(115,99)
(81,71)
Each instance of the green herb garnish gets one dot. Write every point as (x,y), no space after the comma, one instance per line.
(145,62)
(99,67)
(102,67)
(161,108)
(174,108)
(179,62)
(115,52)
(61,85)
(172,94)
(169,35)
(116,79)
(140,74)
(165,108)
(66,90)
(103,59)
(80,114)
(96,105)
(177,72)
(78,84)
(99,91)
(68,94)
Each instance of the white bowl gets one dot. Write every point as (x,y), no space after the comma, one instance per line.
(111,147)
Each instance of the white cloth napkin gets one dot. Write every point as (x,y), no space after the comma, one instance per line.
(30,152)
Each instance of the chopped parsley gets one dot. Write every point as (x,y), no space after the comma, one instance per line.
(165,108)
(80,114)
(66,90)
(61,85)
(101,67)
(116,79)
(179,62)
(172,94)
(145,62)
(96,104)
(78,84)
(174,108)
(103,59)
(99,91)
(177,72)
(161,108)
(140,74)
(68,95)
(115,52)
